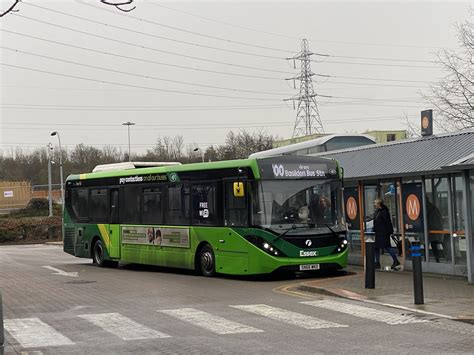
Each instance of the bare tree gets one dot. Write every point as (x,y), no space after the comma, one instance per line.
(11,8)
(119,4)
(411,128)
(453,96)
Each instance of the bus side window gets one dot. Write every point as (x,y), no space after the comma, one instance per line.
(79,204)
(98,205)
(114,206)
(236,212)
(178,211)
(153,205)
(204,204)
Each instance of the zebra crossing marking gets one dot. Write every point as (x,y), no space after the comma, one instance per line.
(213,323)
(366,312)
(33,333)
(290,317)
(123,327)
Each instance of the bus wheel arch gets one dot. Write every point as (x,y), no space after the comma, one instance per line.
(205,260)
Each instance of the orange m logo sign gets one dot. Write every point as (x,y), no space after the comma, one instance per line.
(412,207)
(351,208)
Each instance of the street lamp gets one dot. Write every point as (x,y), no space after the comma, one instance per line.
(202,153)
(128,124)
(50,188)
(61,176)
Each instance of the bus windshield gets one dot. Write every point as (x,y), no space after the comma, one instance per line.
(286,204)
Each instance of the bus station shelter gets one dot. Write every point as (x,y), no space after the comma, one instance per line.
(428,185)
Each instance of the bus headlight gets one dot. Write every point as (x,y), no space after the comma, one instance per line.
(264,245)
(342,245)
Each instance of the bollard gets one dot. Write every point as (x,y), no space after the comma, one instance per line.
(2,334)
(417,272)
(369,262)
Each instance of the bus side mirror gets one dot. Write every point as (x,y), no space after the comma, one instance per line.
(239,189)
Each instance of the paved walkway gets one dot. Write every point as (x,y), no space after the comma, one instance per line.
(449,296)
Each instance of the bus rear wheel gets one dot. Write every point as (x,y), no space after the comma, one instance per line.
(207,261)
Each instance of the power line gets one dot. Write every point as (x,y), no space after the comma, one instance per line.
(140,59)
(290,37)
(187,31)
(368,78)
(379,65)
(208,125)
(235,51)
(134,74)
(151,48)
(384,59)
(132,109)
(157,36)
(133,86)
(225,23)
(193,57)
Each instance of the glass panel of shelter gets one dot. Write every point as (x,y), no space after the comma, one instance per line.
(387,191)
(438,220)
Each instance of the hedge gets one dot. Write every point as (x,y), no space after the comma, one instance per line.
(30,229)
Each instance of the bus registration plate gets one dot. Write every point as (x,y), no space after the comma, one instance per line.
(309,267)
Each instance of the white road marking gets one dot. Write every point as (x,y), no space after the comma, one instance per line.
(123,327)
(290,317)
(61,272)
(209,321)
(366,312)
(33,333)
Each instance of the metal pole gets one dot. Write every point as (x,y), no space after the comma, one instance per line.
(370,262)
(128,124)
(129,158)
(61,176)
(417,272)
(50,188)
(2,333)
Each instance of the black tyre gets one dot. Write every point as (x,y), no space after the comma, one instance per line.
(207,261)
(98,256)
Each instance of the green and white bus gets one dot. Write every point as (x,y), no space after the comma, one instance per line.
(240,217)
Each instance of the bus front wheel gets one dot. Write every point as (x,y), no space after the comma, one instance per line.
(207,261)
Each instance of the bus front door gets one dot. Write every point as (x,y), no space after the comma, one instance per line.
(114,226)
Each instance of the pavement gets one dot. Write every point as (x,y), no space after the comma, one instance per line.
(444,296)
(54,303)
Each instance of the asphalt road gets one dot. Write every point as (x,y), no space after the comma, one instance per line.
(73,307)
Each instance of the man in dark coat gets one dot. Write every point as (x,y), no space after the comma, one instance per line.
(383,228)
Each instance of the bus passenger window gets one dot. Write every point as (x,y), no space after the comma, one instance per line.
(79,203)
(153,205)
(178,211)
(131,205)
(204,204)
(98,205)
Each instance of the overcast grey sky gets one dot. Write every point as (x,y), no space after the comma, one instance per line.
(167,93)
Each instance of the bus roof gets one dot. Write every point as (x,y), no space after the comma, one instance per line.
(226,164)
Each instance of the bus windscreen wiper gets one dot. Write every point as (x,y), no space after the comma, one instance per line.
(293,227)
(332,230)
